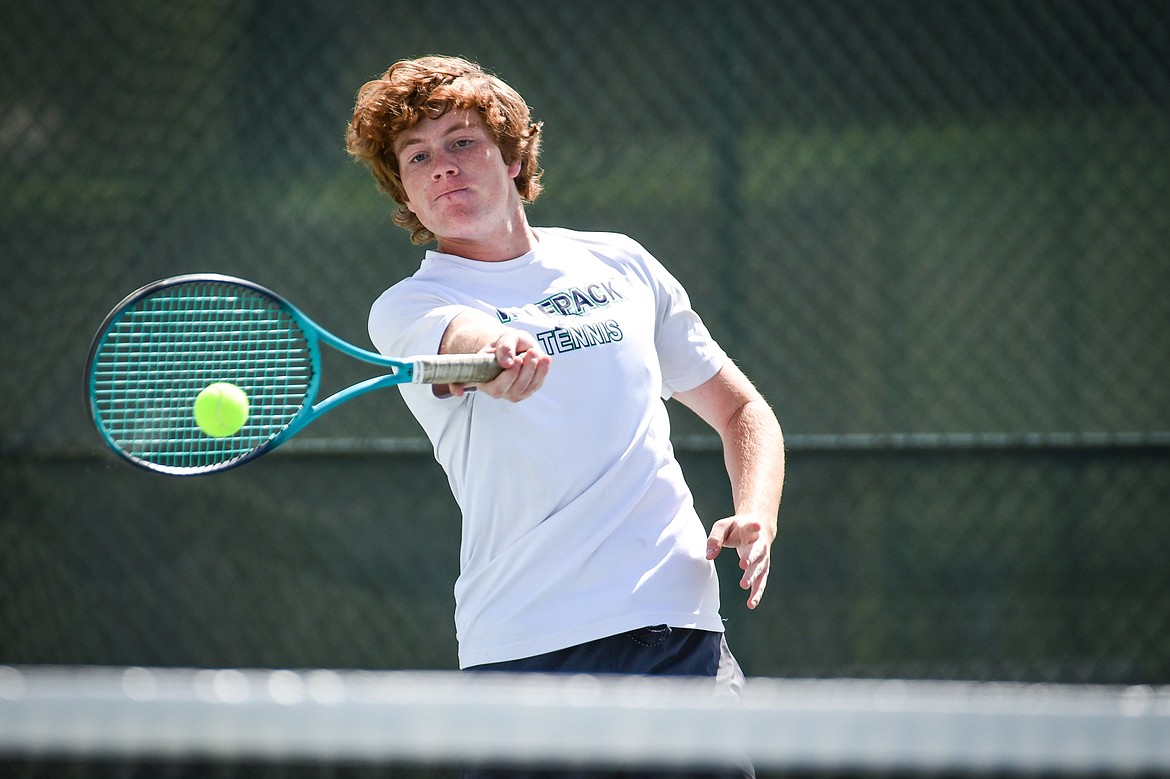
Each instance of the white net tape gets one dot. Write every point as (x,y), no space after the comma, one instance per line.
(441,717)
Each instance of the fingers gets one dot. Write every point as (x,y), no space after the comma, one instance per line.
(758,583)
(756,565)
(525,368)
(754,553)
(732,531)
(718,538)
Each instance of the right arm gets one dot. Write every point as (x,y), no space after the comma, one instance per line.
(525,364)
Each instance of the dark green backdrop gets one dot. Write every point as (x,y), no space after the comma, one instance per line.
(935,234)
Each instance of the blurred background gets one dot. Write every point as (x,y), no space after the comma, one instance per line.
(934,233)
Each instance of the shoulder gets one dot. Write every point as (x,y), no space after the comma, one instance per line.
(403,290)
(614,249)
(428,282)
(410,299)
(602,242)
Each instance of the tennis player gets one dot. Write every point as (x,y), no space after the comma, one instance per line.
(581,549)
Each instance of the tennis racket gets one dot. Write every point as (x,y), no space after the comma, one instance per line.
(169,340)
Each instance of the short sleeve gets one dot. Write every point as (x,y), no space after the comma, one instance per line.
(687,353)
(410,318)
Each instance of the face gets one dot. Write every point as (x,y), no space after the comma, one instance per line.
(458,184)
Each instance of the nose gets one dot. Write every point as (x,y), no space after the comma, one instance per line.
(444,167)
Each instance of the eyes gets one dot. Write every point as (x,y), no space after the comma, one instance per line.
(459,144)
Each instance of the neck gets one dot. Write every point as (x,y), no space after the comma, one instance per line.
(516,238)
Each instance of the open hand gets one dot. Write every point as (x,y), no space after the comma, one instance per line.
(754,545)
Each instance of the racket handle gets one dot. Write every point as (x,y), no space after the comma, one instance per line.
(454,368)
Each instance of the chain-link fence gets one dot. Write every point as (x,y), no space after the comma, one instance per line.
(934,233)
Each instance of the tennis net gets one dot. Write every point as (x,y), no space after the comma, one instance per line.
(389,722)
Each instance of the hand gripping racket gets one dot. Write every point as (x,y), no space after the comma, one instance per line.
(166,342)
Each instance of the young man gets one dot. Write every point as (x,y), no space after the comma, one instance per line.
(581,548)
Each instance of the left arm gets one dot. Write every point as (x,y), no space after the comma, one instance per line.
(753,452)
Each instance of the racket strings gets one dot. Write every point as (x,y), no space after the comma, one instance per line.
(165,348)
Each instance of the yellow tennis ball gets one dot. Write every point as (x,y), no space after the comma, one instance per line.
(221,409)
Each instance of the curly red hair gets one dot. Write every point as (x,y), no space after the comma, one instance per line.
(428,87)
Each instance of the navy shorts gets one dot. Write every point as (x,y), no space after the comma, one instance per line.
(659,651)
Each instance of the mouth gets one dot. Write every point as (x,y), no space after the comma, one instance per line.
(449,193)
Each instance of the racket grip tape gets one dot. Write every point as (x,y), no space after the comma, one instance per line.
(455,369)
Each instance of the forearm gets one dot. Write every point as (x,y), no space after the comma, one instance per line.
(753,444)
(469,333)
(753,452)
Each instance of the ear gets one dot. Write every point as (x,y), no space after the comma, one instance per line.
(514,169)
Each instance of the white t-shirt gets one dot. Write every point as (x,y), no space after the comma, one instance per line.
(577,523)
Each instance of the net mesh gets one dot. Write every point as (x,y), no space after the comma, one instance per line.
(157,354)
